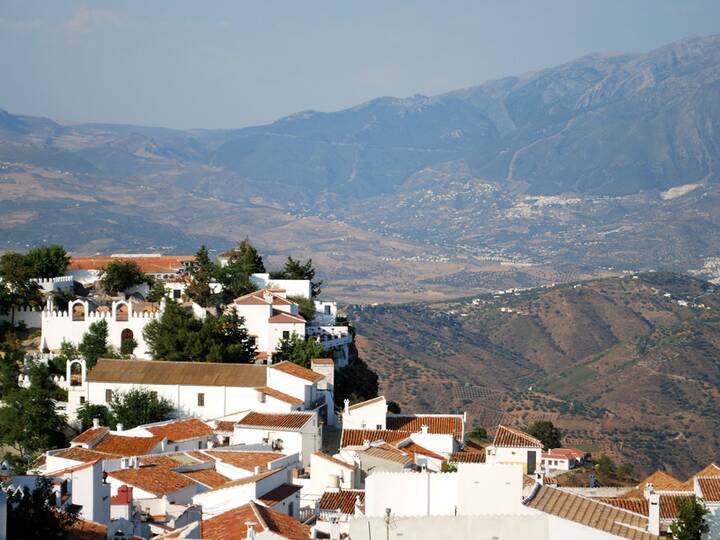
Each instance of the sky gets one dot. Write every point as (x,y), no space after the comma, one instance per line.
(228,64)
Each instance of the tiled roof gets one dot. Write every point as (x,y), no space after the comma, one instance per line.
(248,479)
(298,371)
(153,479)
(514,438)
(78,453)
(90,435)
(710,470)
(668,505)
(153,265)
(182,430)
(414,449)
(368,402)
(287,398)
(231,525)
(183,373)
(279,494)
(336,461)
(467,457)
(590,513)
(280,317)
(245,460)
(710,488)
(389,454)
(356,437)
(564,453)
(282,421)
(225,425)
(161,460)
(257,298)
(447,424)
(661,481)
(82,529)
(343,500)
(127,446)
(207,477)
(323,361)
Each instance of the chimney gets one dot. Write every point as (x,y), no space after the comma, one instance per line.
(424,429)
(257,470)
(96,422)
(250,530)
(347,406)
(648,490)
(654,514)
(119,427)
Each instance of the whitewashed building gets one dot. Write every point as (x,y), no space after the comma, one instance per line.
(512,445)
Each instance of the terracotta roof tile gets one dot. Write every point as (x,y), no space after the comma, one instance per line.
(188,373)
(245,460)
(343,500)
(279,494)
(287,398)
(82,529)
(356,437)
(225,425)
(298,371)
(336,461)
(514,438)
(78,453)
(283,421)
(590,513)
(280,317)
(323,361)
(90,435)
(367,402)
(710,488)
(414,449)
(207,477)
(164,264)
(661,481)
(127,446)
(182,430)
(257,298)
(710,470)
(153,479)
(389,454)
(464,456)
(447,424)
(161,460)
(669,505)
(564,453)
(231,525)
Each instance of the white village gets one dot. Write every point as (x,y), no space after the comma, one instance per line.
(280,444)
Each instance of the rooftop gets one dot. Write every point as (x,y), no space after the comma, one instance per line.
(127,446)
(357,437)
(280,317)
(232,525)
(515,438)
(90,435)
(151,264)
(293,421)
(245,460)
(334,460)
(262,297)
(182,430)
(185,373)
(343,500)
(207,477)
(152,479)
(362,404)
(450,424)
(710,488)
(297,371)
(287,398)
(279,494)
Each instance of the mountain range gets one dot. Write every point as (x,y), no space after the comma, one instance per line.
(605,163)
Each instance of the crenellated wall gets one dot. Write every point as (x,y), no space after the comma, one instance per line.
(59,326)
(59,283)
(30,317)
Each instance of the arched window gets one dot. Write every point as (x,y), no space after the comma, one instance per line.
(78,312)
(75,373)
(126,334)
(121,313)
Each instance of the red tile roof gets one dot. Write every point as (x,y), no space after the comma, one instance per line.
(287,398)
(336,461)
(323,361)
(367,402)
(182,430)
(153,479)
(669,505)
(78,453)
(225,425)
(280,317)
(279,494)
(231,525)
(437,423)
(343,500)
(389,453)
(564,453)
(70,469)
(710,488)
(152,265)
(414,449)
(245,460)
(515,438)
(282,421)
(298,371)
(90,435)
(356,437)
(661,481)
(257,298)
(127,446)
(467,457)
(207,477)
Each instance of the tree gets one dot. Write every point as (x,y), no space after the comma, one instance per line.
(10,363)
(356,382)
(128,346)
(226,339)
(203,271)
(306,306)
(61,299)
(89,411)
(479,433)
(48,261)
(298,350)
(294,269)
(28,420)
(156,293)
(31,515)
(18,289)
(549,435)
(68,353)
(690,523)
(94,342)
(393,407)
(139,406)
(120,275)
(247,256)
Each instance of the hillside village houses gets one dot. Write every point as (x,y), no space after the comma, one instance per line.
(258,451)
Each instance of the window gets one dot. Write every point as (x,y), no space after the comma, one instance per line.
(108,396)
(82,400)
(201,400)
(286,334)
(291,509)
(327,310)
(176,294)
(253,340)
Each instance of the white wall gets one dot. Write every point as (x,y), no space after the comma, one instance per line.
(303,442)
(441,443)
(92,493)
(292,385)
(366,417)
(516,455)
(293,287)
(30,317)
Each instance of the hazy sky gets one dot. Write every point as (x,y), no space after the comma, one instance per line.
(232,63)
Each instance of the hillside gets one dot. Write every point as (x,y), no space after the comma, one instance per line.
(620,363)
